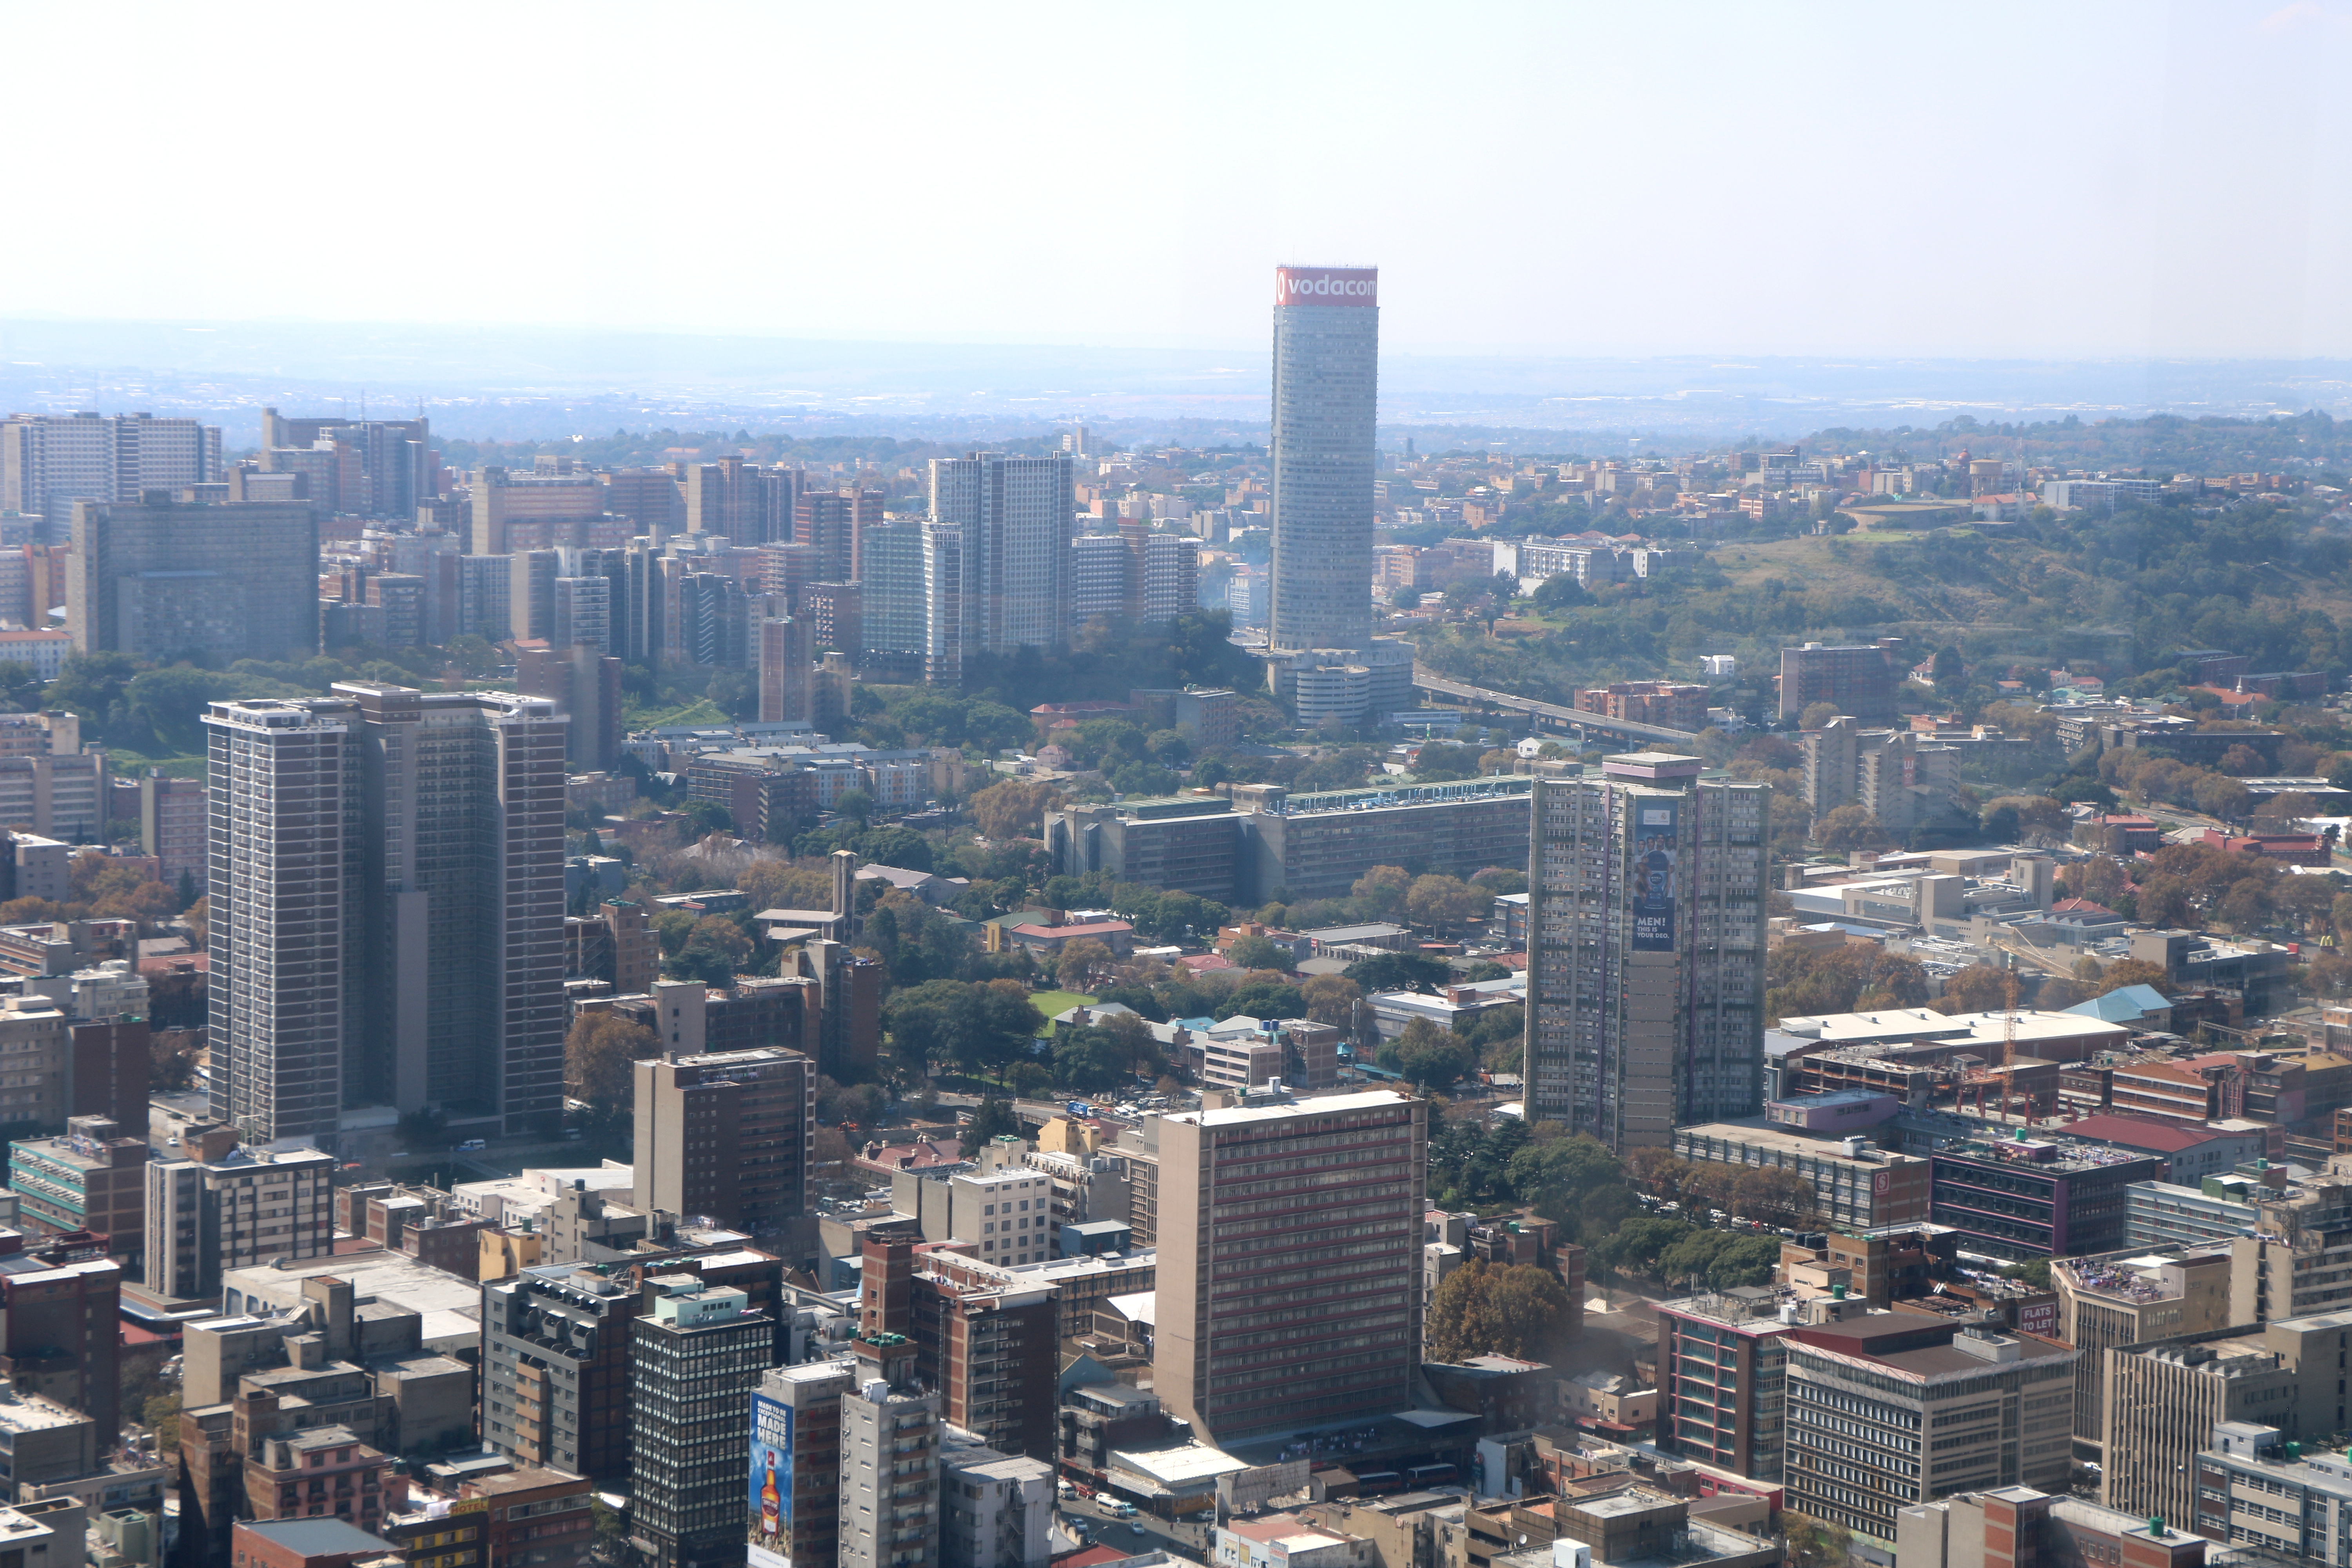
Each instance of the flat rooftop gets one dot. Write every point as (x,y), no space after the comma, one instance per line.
(1762,1135)
(1235,1116)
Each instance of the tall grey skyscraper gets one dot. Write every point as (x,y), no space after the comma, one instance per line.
(1326,352)
(49,461)
(1016,515)
(387,909)
(1645,950)
(163,577)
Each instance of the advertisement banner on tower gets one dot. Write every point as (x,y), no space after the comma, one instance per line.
(1357,286)
(1654,835)
(770,1535)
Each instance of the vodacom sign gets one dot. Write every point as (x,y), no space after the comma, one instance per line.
(1327,286)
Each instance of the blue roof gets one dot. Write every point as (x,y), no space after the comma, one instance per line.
(2124,1005)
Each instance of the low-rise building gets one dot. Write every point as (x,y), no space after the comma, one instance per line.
(321,1472)
(1873,1430)
(999,1508)
(2010,1525)
(1276,1540)
(2030,1197)
(2165,1401)
(1856,1186)
(91,1179)
(2122,1299)
(2255,1489)
(2165,1213)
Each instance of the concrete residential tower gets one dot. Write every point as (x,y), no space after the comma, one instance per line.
(1289,1248)
(1015,517)
(1645,950)
(387,899)
(1327,343)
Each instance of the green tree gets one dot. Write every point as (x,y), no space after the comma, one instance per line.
(1428,1056)
(1850,827)
(1444,902)
(1263,999)
(992,1119)
(1815,1543)
(1260,953)
(1497,1309)
(1079,961)
(1383,891)
(161,1416)
(1398,971)
(599,1056)
(1090,1059)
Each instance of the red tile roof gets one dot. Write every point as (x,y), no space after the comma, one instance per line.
(2081,907)
(2139,1132)
(1090,1557)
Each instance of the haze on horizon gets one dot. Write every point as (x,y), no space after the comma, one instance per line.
(2105,180)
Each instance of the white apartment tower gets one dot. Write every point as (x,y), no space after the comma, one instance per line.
(1645,950)
(1327,345)
(386,892)
(49,461)
(1016,516)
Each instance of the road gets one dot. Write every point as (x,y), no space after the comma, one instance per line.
(1141,1533)
(1552,711)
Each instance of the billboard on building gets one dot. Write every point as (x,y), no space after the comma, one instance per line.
(769,1536)
(1655,834)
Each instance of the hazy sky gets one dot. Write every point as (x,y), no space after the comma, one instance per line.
(2044,178)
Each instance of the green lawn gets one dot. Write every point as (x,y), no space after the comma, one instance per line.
(1053,1002)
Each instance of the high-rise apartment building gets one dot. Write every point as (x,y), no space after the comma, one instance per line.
(232,1209)
(1326,354)
(387,898)
(1169,570)
(1016,515)
(555,1368)
(37,1042)
(515,512)
(382,467)
(585,686)
(1102,578)
(1856,678)
(726,497)
(1901,778)
(162,577)
(785,670)
(724,1134)
(911,605)
(797,1411)
(694,1362)
(49,461)
(986,1341)
(1289,1251)
(832,524)
(836,614)
(890,1439)
(1646,947)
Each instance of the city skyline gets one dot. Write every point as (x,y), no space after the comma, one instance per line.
(1941,232)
